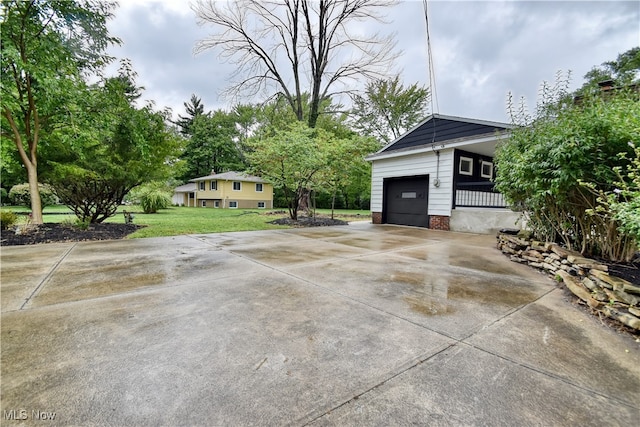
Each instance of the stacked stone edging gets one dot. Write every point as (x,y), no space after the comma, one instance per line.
(589,280)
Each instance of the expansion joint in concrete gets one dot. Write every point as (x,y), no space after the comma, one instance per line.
(47,277)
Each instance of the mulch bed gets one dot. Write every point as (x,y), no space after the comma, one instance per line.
(53,232)
(629,272)
(303,221)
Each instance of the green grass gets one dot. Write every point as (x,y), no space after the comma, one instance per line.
(182,220)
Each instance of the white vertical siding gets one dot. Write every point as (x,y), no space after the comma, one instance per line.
(416,164)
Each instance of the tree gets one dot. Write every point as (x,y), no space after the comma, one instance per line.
(554,166)
(128,146)
(46,45)
(387,110)
(194,108)
(213,145)
(290,159)
(345,161)
(279,46)
(624,71)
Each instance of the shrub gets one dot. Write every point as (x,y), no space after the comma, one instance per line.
(555,166)
(4,196)
(7,219)
(90,196)
(20,195)
(154,199)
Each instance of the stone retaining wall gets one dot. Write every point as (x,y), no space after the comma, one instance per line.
(584,277)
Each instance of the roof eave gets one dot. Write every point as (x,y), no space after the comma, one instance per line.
(454,143)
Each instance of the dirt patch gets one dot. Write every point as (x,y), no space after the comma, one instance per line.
(53,232)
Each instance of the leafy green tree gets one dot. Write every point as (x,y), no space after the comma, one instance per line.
(345,160)
(290,159)
(623,71)
(387,110)
(554,166)
(46,46)
(213,145)
(128,147)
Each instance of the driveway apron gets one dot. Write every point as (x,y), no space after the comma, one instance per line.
(354,325)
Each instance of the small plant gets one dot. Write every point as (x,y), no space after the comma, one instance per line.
(7,219)
(82,225)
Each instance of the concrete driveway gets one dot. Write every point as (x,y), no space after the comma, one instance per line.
(358,325)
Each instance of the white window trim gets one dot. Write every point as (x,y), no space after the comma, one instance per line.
(201,186)
(482,165)
(261,187)
(216,204)
(213,184)
(233,185)
(470,161)
(264,205)
(233,207)
(203,203)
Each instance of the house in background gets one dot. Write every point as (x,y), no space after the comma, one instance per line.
(439,175)
(185,195)
(226,190)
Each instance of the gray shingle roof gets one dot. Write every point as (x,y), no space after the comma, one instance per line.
(230,176)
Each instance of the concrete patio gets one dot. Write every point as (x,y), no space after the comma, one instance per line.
(358,325)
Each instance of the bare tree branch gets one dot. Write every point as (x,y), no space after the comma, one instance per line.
(278,46)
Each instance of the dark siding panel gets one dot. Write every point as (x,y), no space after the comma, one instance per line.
(439,130)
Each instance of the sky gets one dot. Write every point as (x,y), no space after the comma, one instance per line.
(481,50)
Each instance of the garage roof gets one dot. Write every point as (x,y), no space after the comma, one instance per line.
(438,128)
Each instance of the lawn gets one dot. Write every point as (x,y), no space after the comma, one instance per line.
(182,220)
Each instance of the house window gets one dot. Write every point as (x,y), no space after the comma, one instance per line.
(216,204)
(201,185)
(486,169)
(261,205)
(259,187)
(233,205)
(214,185)
(466,166)
(237,186)
(204,203)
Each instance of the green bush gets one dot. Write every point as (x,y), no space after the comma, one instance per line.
(7,219)
(4,196)
(557,165)
(20,195)
(154,199)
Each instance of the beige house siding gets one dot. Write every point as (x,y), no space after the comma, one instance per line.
(245,193)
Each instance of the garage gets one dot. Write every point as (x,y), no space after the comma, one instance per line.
(406,201)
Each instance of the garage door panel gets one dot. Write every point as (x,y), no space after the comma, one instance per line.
(406,201)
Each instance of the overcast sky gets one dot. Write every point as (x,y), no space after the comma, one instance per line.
(481,49)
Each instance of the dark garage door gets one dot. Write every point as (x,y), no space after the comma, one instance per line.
(406,201)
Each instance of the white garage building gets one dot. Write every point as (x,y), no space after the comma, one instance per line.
(439,175)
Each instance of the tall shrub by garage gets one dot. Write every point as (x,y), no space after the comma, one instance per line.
(558,162)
